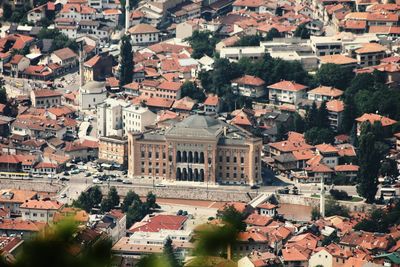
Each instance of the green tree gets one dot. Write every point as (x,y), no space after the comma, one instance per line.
(332,207)
(315,214)
(312,116)
(129,199)
(191,90)
(302,32)
(113,196)
(89,199)
(3,95)
(56,247)
(389,168)
(273,33)
(232,216)
(169,254)
(7,11)
(322,116)
(106,205)
(369,157)
(125,61)
(151,201)
(317,135)
(202,43)
(299,125)
(249,40)
(334,75)
(349,115)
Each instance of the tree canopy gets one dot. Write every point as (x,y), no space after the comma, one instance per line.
(125,61)
(202,43)
(89,199)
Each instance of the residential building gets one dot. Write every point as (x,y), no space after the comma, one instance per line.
(267,209)
(329,153)
(113,149)
(370,54)
(65,57)
(198,149)
(324,93)
(136,118)
(144,34)
(45,98)
(39,210)
(109,117)
(12,199)
(341,60)
(372,118)
(21,228)
(249,86)
(286,92)
(113,224)
(236,53)
(335,109)
(98,68)
(212,104)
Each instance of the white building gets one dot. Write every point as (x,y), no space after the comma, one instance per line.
(109,117)
(144,34)
(286,92)
(136,118)
(91,94)
(39,210)
(236,53)
(117,118)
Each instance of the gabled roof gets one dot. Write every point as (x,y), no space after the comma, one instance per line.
(41,205)
(142,28)
(371,48)
(249,80)
(65,53)
(326,91)
(288,86)
(211,100)
(371,117)
(335,105)
(337,59)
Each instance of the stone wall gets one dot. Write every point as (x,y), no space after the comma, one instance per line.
(184,193)
(218,195)
(39,186)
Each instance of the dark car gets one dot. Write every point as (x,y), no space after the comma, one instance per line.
(255,187)
(64,179)
(66,173)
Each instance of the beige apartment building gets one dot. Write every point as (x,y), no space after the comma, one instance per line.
(113,149)
(198,149)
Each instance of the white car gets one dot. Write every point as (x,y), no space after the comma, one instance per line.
(127,181)
(97,181)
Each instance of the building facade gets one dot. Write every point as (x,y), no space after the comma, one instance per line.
(113,149)
(198,149)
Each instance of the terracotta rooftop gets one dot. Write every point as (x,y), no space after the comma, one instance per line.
(249,80)
(142,29)
(371,48)
(346,168)
(41,205)
(335,105)
(337,59)
(371,117)
(326,91)
(288,86)
(46,93)
(159,222)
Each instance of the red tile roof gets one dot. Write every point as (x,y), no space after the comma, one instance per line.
(346,168)
(288,86)
(326,91)
(41,205)
(172,86)
(249,80)
(335,105)
(21,225)
(46,93)
(371,117)
(159,222)
(211,100)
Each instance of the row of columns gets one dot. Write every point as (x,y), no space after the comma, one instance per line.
(190,157)
(189,174)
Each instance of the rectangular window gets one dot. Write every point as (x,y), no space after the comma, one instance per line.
(242,160)
(228,159)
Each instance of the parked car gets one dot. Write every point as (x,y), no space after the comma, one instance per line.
(63,179)
(127,181)
(97,181)
(255,187)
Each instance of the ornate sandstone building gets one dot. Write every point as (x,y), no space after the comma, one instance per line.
(198,149)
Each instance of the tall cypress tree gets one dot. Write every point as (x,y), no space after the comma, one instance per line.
(369,157)
(125,61)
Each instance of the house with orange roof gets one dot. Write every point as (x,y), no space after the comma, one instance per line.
(267,209)
(98,68)
(16,66)
(40,210)
(324,93)
(64,57)
(255,219)
(342,60)
(295,256)
(259,259)
(21,228)
(46,168)
(329,153)
(258,6)
(370,54)
(12,199)
(372,118)
(249,86)
(349,171)
(318,171)
(144,34)
(45,98)
(212,104)
(286,92)
(335,109)
(185,104)
(249,241)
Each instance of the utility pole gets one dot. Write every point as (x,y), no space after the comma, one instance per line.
(322,198)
